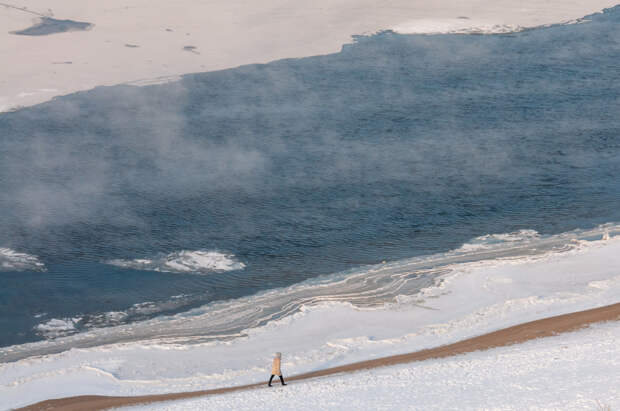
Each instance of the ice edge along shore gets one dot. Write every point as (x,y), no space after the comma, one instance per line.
(472,299)
(145,43)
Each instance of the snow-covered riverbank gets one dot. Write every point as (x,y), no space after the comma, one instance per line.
(153,41)
(576,371)
(469,299)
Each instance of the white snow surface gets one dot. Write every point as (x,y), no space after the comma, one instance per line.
(469,299)
(184,261)
(57,327)
(146,41)
(576,371)
(11,260)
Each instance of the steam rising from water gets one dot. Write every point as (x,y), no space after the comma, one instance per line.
(397,146)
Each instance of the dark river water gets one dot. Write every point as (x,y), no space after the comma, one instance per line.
(126,203)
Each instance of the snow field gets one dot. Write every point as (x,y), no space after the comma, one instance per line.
(574,371)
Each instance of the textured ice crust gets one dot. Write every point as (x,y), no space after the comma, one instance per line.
(11,260)
(184,262)
(58,327)
(489,241)
(465,25)
(62,327)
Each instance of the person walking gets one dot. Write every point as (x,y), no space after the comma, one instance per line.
(275,369)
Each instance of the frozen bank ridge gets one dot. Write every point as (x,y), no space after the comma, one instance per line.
(11,260)
(183,262)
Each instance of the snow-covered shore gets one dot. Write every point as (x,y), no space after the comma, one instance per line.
(576,371)
(470,299)
(143,41)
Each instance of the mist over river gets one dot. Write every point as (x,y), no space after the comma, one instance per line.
(125,203)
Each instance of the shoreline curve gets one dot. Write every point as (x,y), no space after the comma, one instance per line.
(545,327)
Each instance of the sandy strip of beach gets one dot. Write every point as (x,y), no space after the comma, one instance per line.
(147,41)
(507,336)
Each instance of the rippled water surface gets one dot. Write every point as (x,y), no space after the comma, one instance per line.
(123,203)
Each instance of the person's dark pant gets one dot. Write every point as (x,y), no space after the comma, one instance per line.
(271,379)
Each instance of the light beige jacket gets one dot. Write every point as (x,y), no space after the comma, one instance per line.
(275,367)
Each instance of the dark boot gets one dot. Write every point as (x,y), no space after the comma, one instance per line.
(282,380)
(271,379)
